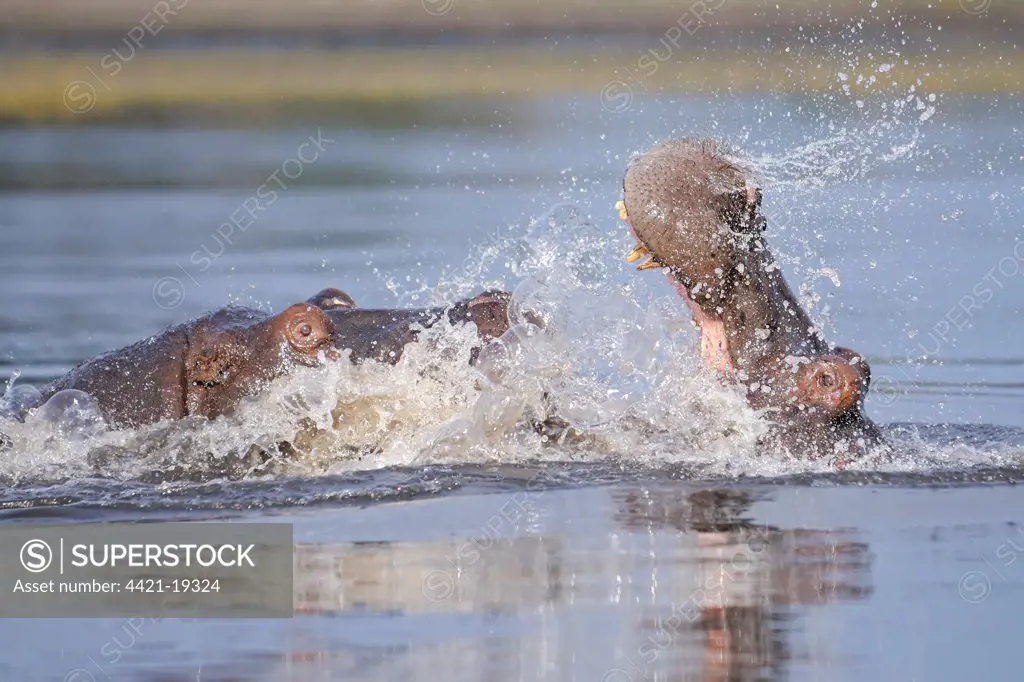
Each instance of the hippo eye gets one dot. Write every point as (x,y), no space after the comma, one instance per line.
(305,330)
(826,380)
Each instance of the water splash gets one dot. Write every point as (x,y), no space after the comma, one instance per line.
(612,377)
(611,372)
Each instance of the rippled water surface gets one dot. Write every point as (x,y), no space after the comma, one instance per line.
(439,536)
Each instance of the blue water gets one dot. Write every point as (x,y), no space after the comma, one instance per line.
(888,221)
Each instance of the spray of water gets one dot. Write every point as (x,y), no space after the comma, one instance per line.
(611,374)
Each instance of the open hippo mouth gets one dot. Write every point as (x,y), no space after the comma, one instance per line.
(697,216)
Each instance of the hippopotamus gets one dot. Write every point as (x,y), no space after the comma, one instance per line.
(207,366)
(694,214)
(697,216)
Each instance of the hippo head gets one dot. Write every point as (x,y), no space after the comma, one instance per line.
(697,216)
(382,334)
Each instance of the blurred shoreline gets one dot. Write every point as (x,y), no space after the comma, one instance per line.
(574,16)
(132,60)
(72,87)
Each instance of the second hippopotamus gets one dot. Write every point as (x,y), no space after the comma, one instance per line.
(697,215)
(207,366)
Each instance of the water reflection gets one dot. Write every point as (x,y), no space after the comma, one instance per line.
(738,620)
(696,587)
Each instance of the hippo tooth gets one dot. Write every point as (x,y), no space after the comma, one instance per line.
(621,207)
(636,253)
(652,263)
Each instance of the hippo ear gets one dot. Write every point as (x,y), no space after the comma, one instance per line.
(741,211)
(489,311)
(829,382)
(331,299)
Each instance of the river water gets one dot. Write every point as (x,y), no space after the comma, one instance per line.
(438,538)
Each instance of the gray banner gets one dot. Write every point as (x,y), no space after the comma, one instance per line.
(197,570)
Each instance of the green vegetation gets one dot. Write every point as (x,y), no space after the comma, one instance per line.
(484,15)
(74,87)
